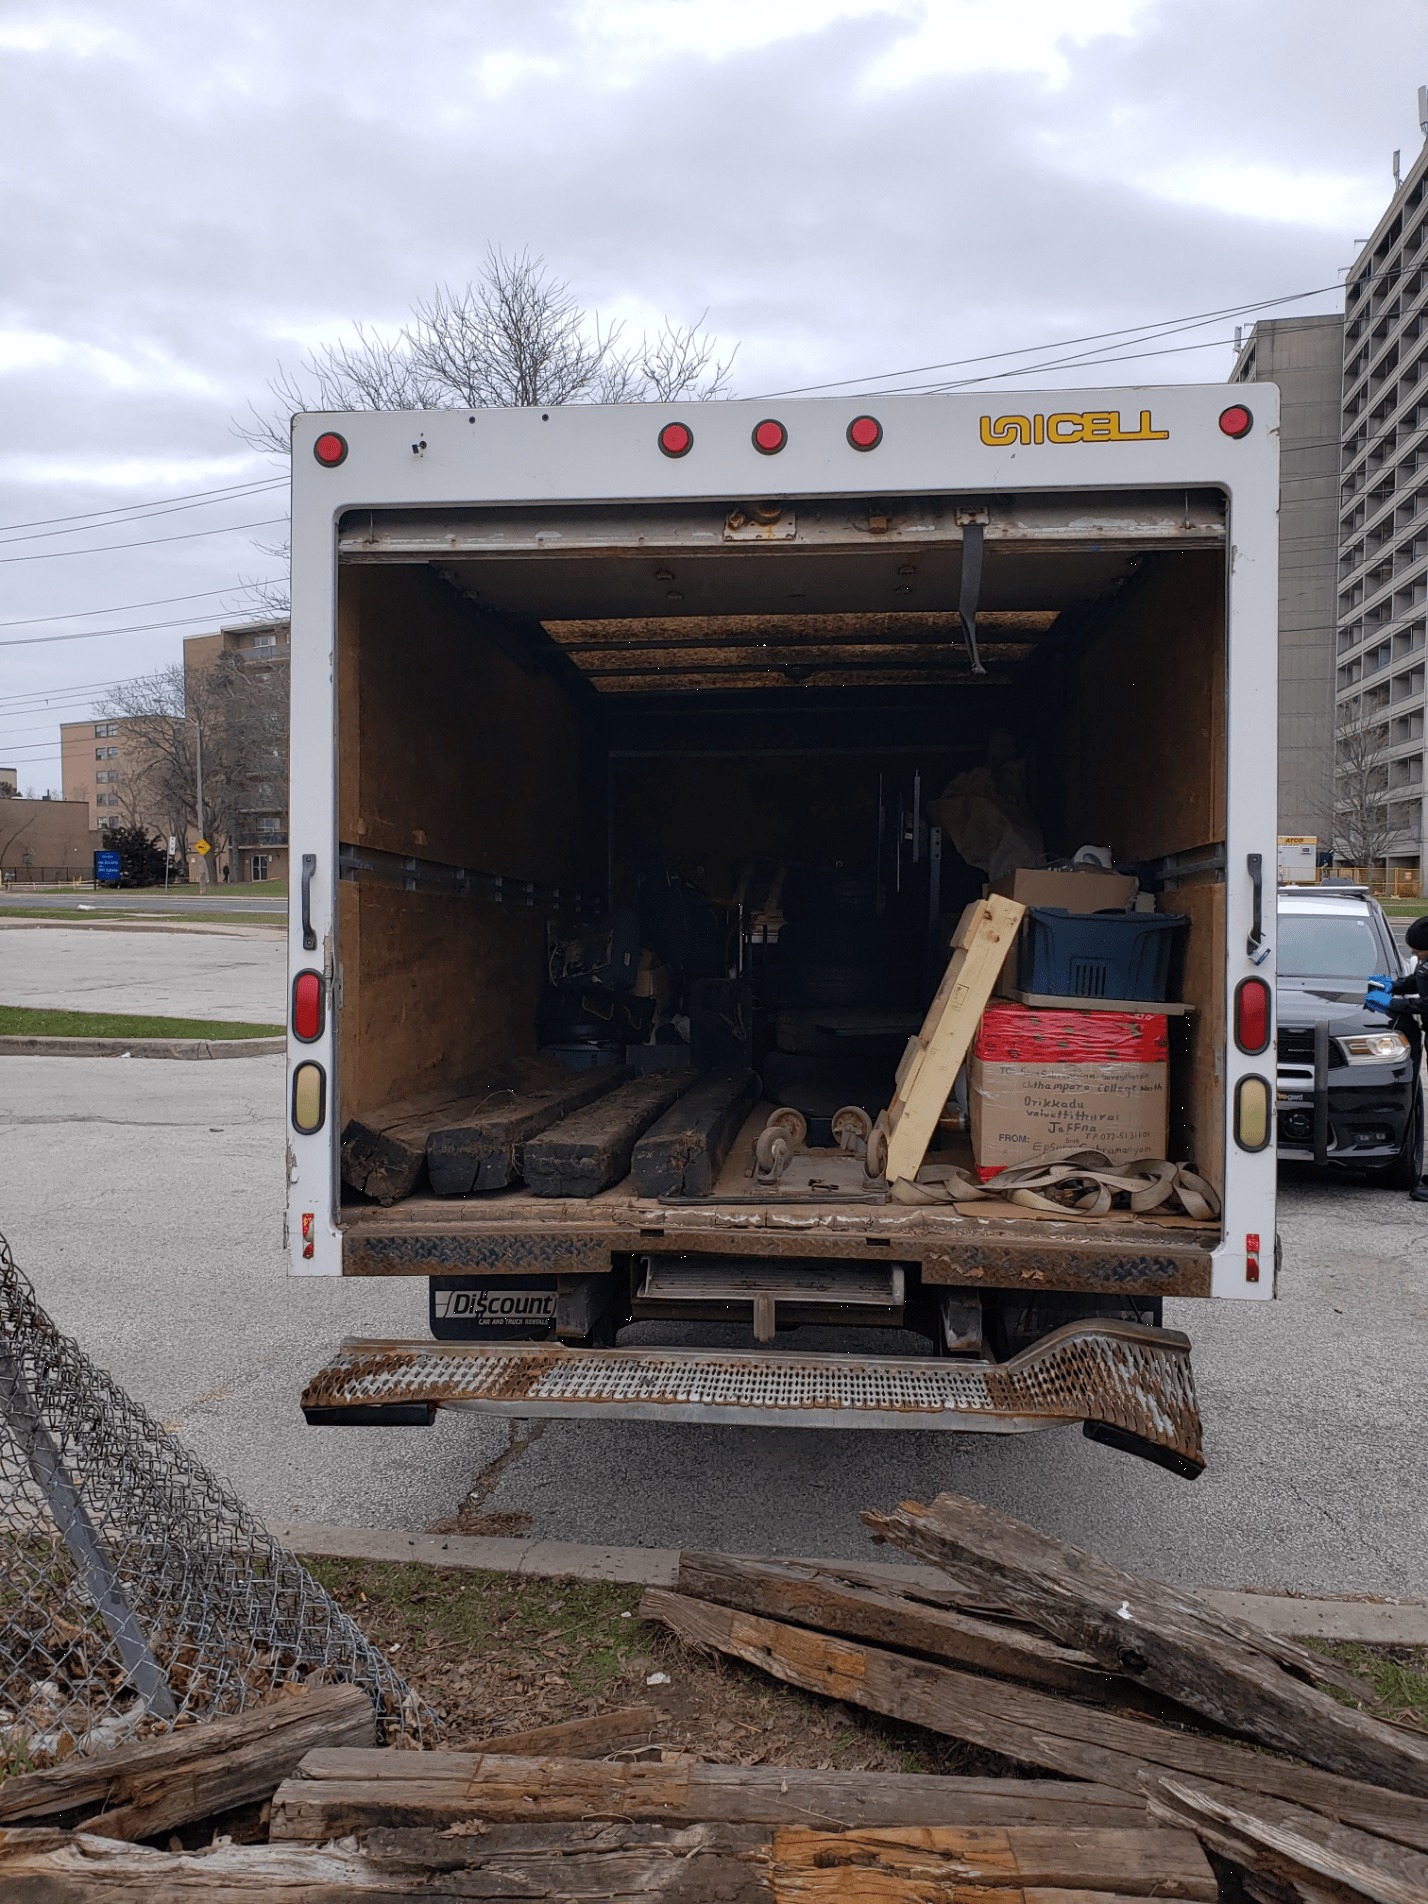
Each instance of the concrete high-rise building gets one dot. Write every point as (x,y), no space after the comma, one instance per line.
(1383,534)
(1305,357)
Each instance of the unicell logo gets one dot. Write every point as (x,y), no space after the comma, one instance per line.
(496,1305)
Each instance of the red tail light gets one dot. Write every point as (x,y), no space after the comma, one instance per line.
(676,439)
(1237,421)
(1252,1016)
(330,449)
(309,1007)
(769,437)
(865,433)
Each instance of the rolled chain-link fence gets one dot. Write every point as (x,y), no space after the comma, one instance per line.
(136,1591)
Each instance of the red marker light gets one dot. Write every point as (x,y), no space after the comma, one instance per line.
(330,449)
(1252,1016)
(865,433)
(769,437)
(1236,421)
(676,439)
(308,1002)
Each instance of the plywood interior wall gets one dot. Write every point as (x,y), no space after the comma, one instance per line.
(1140,732)
(1197,1078)
(449,750)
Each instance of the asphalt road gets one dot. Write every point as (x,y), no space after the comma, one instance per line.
(144,1200)
(218,899)
(169,974)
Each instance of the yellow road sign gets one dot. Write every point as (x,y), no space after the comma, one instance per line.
(202,846)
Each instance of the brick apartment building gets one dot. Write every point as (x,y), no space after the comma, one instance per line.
(103,764)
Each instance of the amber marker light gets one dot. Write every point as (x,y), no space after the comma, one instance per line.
(309,1098)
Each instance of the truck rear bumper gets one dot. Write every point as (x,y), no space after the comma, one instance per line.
(1130,1385)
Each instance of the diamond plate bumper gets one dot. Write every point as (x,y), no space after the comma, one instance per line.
(1131,1386)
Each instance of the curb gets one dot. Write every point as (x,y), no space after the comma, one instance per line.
(1369,1622)
(18,1046)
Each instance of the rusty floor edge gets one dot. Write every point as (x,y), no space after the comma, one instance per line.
(1380,1622)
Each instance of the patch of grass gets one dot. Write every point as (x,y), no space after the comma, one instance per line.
(37,1022)
(1397,1674)
(496,1653)
(127,915)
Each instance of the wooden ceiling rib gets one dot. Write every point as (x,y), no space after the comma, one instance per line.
(660,654)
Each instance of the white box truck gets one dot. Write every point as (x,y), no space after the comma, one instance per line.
(619,736)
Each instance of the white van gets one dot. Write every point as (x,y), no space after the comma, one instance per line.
(618,738)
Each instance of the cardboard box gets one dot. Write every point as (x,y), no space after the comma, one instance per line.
(1024,1111)
(1077,892)
(1041,1081)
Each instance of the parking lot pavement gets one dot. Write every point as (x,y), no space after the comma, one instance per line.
(168,974)
(145,1203)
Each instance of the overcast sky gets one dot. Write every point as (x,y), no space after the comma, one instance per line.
(195,193)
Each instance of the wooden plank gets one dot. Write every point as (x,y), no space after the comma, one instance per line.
(1240,1678)
(985,933)
(807,1596)
(918,1861)
(384,1152)
(152,1785)
(1287,1843)
(590,1149)
(335,1792)
(482,1150)
(1022,1724)
(616,1863)
(684,1152)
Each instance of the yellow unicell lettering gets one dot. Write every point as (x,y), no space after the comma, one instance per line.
(1055,433)
(1147,433)
(1038,429)
(1006,429)
(1100,426)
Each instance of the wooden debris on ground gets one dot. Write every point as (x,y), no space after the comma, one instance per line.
(152,1785)
(1151,1711)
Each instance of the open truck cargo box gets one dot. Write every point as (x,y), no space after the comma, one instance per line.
(551,683)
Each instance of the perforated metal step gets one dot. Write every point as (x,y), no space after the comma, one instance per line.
(1133,1385)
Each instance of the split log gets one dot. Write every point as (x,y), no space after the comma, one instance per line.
(930,1861)
(152,1785)
(1242,1680)
(1029,1727)
(1291,1845)
(684,1153)
(384,1151)
(618,1864)
(590,1149)
(823,1599)
(482,1148)
(333,1793)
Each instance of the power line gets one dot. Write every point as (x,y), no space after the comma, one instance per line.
(1060,363)
(148,542)
(1136,332)
(68,687)
(143,513)
(127,608)
(97,634)
(123,508)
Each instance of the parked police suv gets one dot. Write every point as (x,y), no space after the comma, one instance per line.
(1350,1085)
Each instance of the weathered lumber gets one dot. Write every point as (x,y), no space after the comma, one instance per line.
(919,1861)
(384,1151)
(557,1864)
(1021,1724)
(482,1148)
(152,1785)
(590,1149)
(1240,1679)
(808,1596)
(684,1152)
(333,1793)
(1287,1843)
(985,934)
(578,1738)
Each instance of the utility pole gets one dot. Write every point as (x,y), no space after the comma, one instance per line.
(198,776)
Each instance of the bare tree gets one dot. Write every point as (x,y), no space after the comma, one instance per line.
(12,831)
(516,335)
(1362,833)
(237,710)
